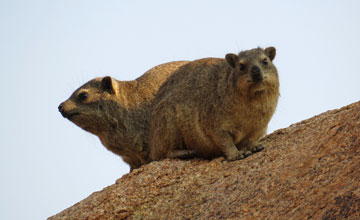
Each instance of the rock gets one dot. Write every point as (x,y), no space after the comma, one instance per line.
(309,170)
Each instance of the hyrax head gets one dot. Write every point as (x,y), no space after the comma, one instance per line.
(253,70)
(90,106)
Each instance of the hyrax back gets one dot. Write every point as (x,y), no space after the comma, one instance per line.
(117,111)
(215,107)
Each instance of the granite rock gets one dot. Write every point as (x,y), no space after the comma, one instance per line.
(310,170)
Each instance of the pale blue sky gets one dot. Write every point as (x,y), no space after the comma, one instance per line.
(50,48)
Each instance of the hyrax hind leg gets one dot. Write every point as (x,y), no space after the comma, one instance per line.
(181,154)
(251,144)
(250,147)
(225,142)
(255,146)
(165,142)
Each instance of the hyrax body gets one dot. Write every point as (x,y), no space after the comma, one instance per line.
(215,107)
(117,111)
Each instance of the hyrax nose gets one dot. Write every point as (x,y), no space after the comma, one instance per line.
(60,107)
(62,111)
(256,74)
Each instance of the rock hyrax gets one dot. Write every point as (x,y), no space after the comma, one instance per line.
(117,111)
(215,107)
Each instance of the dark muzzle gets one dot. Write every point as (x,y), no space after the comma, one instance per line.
(256,75)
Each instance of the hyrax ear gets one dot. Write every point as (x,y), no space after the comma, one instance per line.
(232,59)
(107,85)
(270,52)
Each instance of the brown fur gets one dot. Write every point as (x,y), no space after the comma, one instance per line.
(117,111)
(214,108)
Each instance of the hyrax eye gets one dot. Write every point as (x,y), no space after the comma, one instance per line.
(265,61)
(82,96)
(241,66)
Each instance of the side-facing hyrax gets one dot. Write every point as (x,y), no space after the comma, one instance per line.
(117,111)
(215,107)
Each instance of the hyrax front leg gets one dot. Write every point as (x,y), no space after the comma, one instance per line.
(226,144)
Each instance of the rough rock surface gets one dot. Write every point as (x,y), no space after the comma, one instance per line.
(310,170)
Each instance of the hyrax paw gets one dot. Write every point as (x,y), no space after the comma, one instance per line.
(238,156)
(247,153)
(257,149)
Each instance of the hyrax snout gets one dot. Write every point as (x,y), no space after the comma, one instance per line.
(216,107)
(256,75)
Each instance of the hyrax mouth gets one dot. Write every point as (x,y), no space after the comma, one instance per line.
(257,87)
(255,81)
(70,116)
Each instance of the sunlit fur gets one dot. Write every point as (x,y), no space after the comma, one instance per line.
(119,116)
(214,108)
